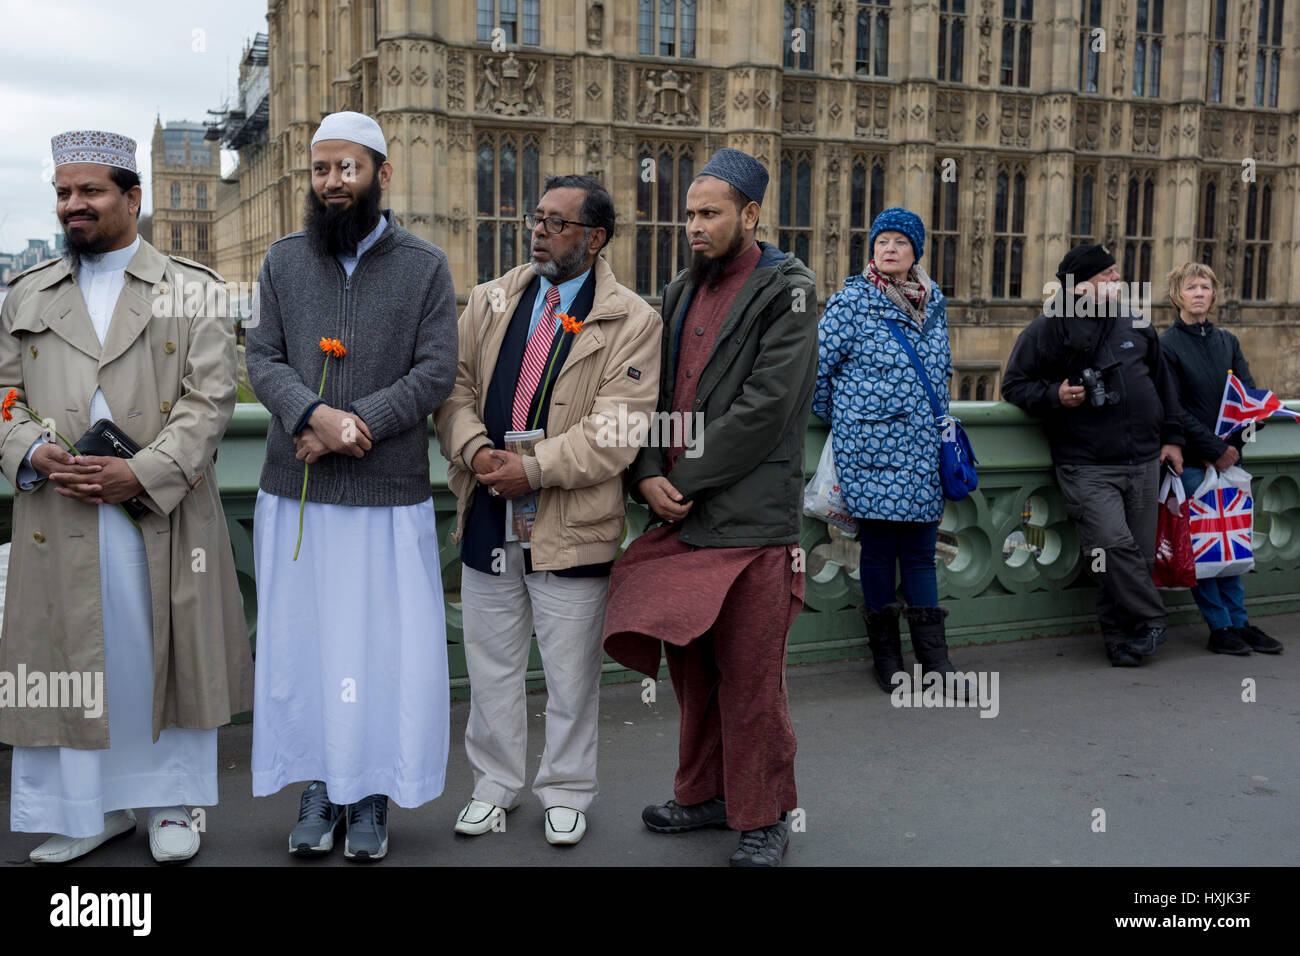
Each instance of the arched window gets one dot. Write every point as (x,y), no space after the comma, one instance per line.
(507,182)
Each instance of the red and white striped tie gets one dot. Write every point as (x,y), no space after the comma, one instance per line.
(539,346)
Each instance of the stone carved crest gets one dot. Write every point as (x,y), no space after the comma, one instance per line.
(871,112)
(949,117)
(798,107)
(1212,135)
(1087,126)
(1016,124)
(509,86)
(1146,129)
(667,98)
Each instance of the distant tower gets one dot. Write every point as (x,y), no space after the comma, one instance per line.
(186,171)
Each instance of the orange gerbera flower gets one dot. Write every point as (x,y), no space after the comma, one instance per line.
(570,324)
(333,347)
(9,402)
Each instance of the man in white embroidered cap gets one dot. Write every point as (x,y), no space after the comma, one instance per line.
(121,593)
(354,347)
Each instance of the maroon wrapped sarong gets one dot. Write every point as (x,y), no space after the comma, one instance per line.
(723,615)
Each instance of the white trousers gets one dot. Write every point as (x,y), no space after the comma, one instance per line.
(500,613)
(66,791)
(351,678)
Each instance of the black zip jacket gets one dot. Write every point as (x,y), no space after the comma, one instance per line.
(1199,357)
(1147,416)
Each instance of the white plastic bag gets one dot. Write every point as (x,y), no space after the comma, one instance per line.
(822,498)
(1222,520)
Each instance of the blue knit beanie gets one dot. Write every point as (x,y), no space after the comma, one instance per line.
(898,219)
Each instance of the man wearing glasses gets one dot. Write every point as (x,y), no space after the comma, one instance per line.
(558,346)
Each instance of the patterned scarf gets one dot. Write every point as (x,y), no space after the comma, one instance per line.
(908,294)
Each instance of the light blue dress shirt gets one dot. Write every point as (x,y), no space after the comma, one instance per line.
(568,292)
(350,262)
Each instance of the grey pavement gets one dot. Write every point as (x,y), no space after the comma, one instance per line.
(1186,772)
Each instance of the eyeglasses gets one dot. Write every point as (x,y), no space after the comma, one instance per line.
(554,224)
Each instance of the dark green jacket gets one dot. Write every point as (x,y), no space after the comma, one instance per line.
(756,396)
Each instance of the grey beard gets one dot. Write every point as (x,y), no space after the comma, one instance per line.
(560,270)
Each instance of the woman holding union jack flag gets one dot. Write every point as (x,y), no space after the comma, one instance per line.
(1202,358)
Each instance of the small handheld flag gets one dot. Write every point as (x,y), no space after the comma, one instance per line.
(1242,405)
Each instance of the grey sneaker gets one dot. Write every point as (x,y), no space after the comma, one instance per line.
(318,818)
(367,838)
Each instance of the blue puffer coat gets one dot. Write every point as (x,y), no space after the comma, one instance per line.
(886,442)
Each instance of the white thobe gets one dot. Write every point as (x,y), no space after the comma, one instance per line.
(351,666)
(67,791)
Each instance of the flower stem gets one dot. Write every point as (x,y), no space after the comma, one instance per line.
(302,500)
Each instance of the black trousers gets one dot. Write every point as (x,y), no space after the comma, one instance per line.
(1114,510)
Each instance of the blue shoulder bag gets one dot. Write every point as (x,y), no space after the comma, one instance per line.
(956,459)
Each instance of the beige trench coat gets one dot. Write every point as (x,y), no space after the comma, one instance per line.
(170,380)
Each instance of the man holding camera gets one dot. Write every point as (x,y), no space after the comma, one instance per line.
(1091,368)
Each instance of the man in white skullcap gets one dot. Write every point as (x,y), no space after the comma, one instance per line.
(122,605)
(352,690)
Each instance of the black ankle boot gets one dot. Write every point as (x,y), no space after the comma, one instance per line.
(886,644)
(930,643)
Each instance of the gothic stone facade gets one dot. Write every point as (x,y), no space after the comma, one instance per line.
(186,172)
(1016,128)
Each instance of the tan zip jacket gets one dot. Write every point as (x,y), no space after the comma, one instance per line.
(579,466)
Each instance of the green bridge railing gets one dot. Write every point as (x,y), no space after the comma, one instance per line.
(1009,569)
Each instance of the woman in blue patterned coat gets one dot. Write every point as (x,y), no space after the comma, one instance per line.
(886,440)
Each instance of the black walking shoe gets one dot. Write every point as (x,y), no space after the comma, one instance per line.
(764,846)
(1227,640)
(1257,640)
(672,817)
(1146,643)
(1121,656)
(886,645)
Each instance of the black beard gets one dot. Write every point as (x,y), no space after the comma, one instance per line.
(334,231)
(705,269)
(79,250)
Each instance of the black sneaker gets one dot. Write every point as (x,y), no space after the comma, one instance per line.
(1145,644)
(318,818)
(763,847)
(672,817)
(367,838)
(1121,656)
(1227,640)
(1257,640)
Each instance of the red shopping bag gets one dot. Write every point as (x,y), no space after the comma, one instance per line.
(1175,564)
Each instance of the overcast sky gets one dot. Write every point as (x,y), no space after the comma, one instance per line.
(70,64)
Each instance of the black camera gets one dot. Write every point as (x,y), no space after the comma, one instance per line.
(1094,383)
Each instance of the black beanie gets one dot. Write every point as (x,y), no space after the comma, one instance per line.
(1084,262)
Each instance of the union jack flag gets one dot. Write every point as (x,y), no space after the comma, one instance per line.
(1242,405)
(1221,525)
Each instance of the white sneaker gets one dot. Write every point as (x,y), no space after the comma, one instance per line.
(61,849)
(172,836)
(565,826)
(479,817)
